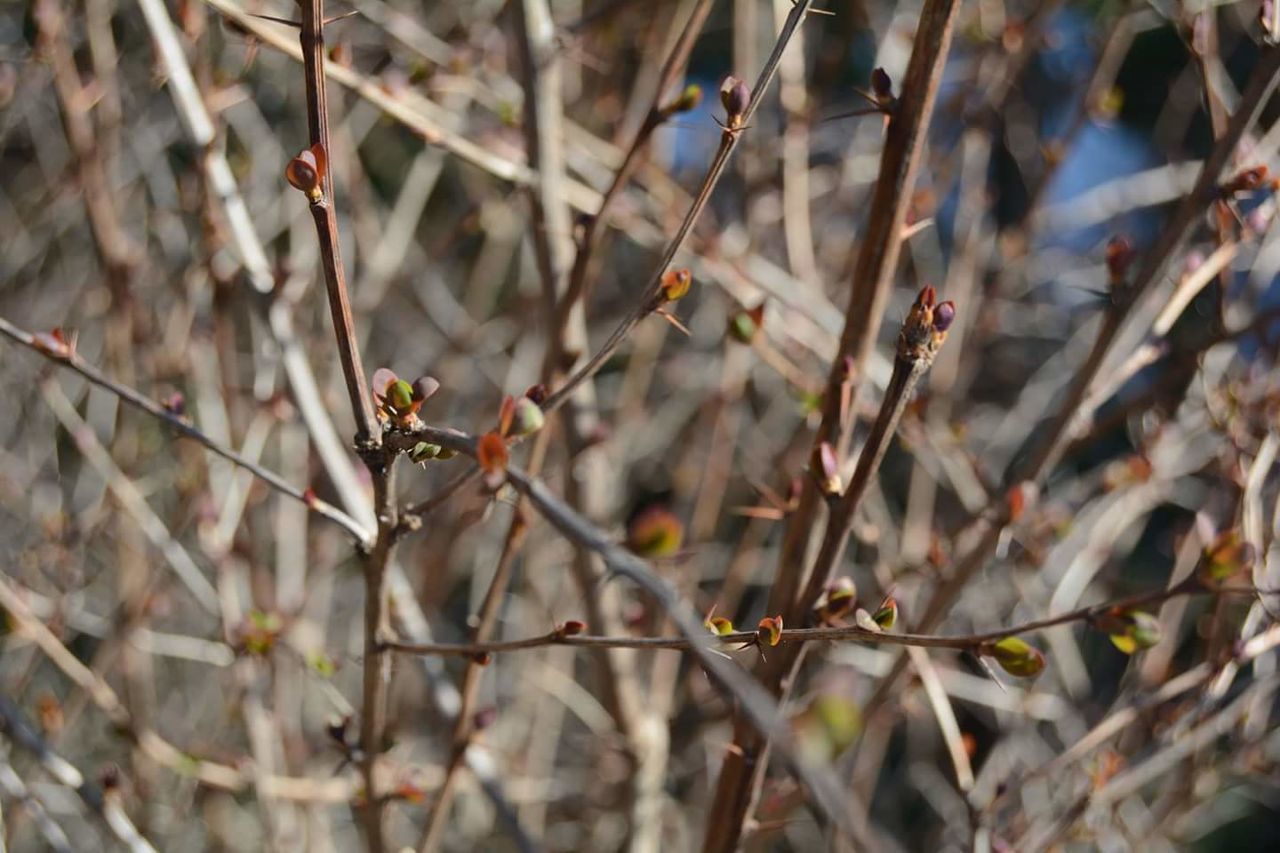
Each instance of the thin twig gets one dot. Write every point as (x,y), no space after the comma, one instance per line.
(800,636)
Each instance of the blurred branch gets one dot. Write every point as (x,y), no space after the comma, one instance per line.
(103,802)
(212,774)
(16,790)
(156,531)
(244,238)
(593,231)
(66,356)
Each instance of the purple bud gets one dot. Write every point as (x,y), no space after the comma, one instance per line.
(735,96)
(944,315)
(1257,220)
(1194,260)
(881,84)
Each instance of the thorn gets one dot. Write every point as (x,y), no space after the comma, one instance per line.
(671,318)
(991,673)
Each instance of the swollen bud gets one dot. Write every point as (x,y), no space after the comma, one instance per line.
(527,418)
(1120,257)
(943,316)
(676,284)
(827,471)
(886,615)
(572,628)
(882,86)
(736,97)
(838,598)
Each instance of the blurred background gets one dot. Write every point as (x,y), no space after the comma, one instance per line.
(227,622)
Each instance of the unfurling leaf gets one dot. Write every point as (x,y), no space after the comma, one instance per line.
(886,615)
(424,451)
(719,626)
(1228,555)
(491,452)
(838,598)
(687,101)
(1130,630)
(1016,657)
(770,630)
(676,284)
(527,418)
(745,325)
(397,400)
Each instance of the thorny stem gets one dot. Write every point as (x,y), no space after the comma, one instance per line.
(799,636)
(326,221)
(381,463)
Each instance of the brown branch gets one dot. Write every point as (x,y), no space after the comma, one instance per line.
(69,358)
(326,222)
(873,272)
(380,462)
(801,636)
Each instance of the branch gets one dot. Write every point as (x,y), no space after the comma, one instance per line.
(577,288)
(326,222)
(647,302)
(65,355)
(799,636)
